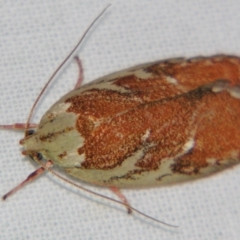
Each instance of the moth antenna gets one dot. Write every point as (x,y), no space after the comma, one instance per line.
(49,164)
(61,65)
(47,167)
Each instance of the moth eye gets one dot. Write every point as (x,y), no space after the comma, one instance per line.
(39,156)
(30,132)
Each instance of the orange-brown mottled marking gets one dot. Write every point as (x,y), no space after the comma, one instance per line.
(130,175)
(200,71)
(62,155)
(153,89)
(114,123)
(101,103)
(121,137)
(217,136)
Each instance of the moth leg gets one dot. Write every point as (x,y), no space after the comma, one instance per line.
(30,178)
(80,68)
(122,198)
(19,126)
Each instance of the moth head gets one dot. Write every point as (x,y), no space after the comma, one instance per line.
(31,145)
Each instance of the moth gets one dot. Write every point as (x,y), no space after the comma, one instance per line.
(154,124)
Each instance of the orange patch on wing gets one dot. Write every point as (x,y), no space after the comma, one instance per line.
(114,123)
(169,122)
(217,136)
(195,72)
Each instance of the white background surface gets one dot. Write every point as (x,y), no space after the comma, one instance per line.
(35,37)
